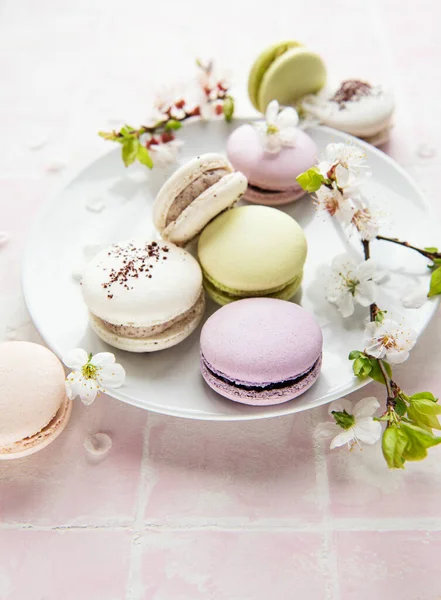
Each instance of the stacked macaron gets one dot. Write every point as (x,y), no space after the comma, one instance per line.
(34,407)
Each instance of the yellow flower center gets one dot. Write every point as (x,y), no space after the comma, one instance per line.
(388,342)
(271,129)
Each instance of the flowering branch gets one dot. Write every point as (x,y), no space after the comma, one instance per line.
(410,420)
(145,142)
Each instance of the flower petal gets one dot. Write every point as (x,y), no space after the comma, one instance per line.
(342,438)
(288,136)
(88,391)
(367,269)
(367,430)
(340,405)
(103,358)
(365,293)
(365,408)
(75,359)
(287,118)
(346,305)
(272,110)
(111,376)
(396,357)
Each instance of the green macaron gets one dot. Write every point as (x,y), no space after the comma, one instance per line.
(252,251)
(286,72)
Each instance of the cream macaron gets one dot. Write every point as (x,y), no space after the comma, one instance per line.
(143,296)
(355,107)
(34,408)
(195,194)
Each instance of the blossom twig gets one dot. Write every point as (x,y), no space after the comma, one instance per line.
(426,253)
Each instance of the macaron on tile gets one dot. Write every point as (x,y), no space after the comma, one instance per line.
(195,194)
(261,351)
(252,251)
(285,72)
(34,407)
(271,154)
(355,107)
(143,296)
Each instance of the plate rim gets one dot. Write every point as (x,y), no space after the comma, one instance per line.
(285,408)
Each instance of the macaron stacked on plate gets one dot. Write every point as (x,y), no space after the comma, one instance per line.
(143,295)
(261,351)
(356,107)
(272,177)
(286,72)
(195,194)
(252,251)
(34,408)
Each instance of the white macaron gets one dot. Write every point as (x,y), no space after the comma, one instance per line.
(195,194)
(143,296)
(355,107)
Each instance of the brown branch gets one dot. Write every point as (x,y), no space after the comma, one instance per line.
(431,255)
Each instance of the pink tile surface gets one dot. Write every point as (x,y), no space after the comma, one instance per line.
(232,565)
(389,564)
(261,470)
(64,485)
(67,565)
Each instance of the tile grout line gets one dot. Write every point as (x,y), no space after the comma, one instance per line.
(328,553)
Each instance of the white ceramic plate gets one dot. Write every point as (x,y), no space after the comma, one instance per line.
(169,381)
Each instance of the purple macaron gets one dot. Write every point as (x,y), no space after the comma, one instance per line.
(271,177)
(261,351)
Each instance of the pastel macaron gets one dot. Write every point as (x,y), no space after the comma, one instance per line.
(271,176)
(261,351)
(252,251)
(34,407)
(143,295)
(286,72)
(195,194)
(355,107)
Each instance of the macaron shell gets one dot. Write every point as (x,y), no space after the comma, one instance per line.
(205,207)
(265,397)
(32,389)
(180,179)
(172,290)
(294,74)
(273,198)
(262,63)
(166,339)
(271,171)
(43,438)
(366,117)
(252,248)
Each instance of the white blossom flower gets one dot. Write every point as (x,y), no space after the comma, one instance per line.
(342,163)
(366,222)
(351,425)
(335,204)
(389,340)
(91,374)
(165,154)
(351,282)
(279,128)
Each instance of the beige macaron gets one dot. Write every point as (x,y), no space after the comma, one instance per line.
(194,195)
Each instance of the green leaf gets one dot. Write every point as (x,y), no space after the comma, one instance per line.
(355,354)
(108,135)
(393,444)
(400,407)
(362,366)
(435,283)
(424,396)
(376,373)
(431,250)
(418,441)
(344,419)
(173,125)
(380,314)
(228,108)
(424,412)
(311,180)
(130,150)
(142,154)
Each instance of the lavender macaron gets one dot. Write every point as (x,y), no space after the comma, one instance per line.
(261,351)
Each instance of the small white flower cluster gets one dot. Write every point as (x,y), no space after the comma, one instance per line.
(343,167)
(279,128)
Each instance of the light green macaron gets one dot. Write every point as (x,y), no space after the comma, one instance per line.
(286,72)
(252,251)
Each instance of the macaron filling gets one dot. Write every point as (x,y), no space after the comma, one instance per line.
(132,331)
(259,387)
(192,191)
(229,294)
